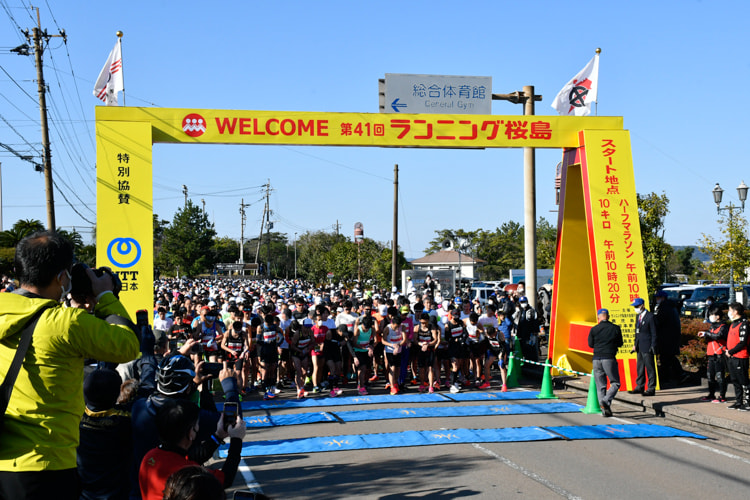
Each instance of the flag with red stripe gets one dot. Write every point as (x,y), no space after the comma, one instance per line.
(110,80)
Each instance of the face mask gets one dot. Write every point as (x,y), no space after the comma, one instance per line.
(65,291)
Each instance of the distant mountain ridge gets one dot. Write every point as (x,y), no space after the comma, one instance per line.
(697,254)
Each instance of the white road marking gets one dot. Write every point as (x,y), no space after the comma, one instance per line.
(715,450)
(249,478)
(530,474)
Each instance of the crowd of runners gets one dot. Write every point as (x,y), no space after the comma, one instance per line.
(288,335)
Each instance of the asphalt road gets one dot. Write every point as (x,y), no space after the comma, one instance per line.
(681,468)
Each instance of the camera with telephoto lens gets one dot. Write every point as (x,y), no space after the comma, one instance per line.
(81,284)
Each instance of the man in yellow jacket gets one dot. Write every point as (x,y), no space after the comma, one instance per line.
(40,434)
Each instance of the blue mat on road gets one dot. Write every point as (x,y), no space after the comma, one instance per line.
(391,440)
(456,411)
(453,436)
(620,431)
(294,419)
(312,402)
(492,396)
(415,412)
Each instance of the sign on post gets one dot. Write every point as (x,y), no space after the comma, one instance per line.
(437,94)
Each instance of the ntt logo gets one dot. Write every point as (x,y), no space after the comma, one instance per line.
(194,125)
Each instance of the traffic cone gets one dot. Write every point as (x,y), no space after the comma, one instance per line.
(514,370)
(546,392)
(592,402)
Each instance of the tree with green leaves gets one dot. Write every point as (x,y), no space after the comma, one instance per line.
(652,210)
(187,243)
(731,251)
(21,229)
(503,248)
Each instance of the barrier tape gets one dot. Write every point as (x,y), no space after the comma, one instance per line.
(567,370)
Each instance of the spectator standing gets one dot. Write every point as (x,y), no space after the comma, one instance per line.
(40,435)
(717,362)
(668,333)
(737,354)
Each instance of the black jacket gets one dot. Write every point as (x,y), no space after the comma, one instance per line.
(645,334)
(605,338)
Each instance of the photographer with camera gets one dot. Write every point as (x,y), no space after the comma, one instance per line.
(40,435)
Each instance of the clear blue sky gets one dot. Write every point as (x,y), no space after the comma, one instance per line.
(677,71)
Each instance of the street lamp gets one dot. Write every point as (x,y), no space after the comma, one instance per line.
(742,194)
(295,255)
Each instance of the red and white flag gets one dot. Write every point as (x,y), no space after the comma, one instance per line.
(576,96)
(110,80)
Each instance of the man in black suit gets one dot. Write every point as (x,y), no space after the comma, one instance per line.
(645,349)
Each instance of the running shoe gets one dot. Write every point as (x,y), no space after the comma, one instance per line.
(387,386)
(432,390)
(455,388)
(362,391)
(414,381)
(308,380)
(422,388)
(709,398)
(486,385)
(302,394)
(373,378)
(316,390)
(269,395)
(325,384)
(336,392)
(504,388)
(394,392)
(275,390)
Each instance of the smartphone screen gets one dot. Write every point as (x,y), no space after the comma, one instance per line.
(230,414)
(212,369)
(244,495)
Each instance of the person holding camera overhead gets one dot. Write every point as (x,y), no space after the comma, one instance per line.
(40,435)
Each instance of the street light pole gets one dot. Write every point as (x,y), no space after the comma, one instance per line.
(742,194)
(295,255)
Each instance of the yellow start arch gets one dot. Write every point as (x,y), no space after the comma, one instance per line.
(599,259)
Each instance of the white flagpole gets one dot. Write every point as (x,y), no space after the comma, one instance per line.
(596,103)
(119,38)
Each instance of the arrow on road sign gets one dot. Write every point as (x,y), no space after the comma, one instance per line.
(396,105)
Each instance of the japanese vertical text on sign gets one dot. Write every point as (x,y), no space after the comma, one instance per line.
(124,209)
(614,231)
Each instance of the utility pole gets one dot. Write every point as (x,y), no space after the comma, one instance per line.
(265,221)
(37,35)
(394,256)
(337,226)
(527,98)
(185,192)
(203,200)
(243,218)
(268,229)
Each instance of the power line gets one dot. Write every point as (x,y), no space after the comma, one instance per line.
(70,204)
